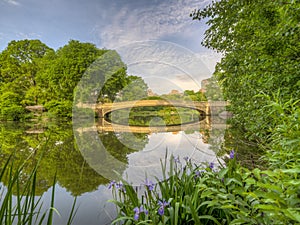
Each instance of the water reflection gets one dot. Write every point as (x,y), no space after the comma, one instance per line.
(136,154)
(56,142)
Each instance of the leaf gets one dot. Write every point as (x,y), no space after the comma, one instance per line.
(233,180)
(256,173)
(292,214)
(294,171)
(193,211)
(207,193)
(210,218)
(266,207)
(229,207)
(237,221)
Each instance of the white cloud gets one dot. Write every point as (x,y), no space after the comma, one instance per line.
(165,66)
(13,2)
(150,22)
(31,35)
(210,59)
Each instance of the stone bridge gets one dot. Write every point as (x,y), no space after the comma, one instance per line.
(209,110)
(103,109)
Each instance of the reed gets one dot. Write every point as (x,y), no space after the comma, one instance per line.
(19,204)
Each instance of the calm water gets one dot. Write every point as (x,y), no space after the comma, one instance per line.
(84,169)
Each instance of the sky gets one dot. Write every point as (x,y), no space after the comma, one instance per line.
(110,24)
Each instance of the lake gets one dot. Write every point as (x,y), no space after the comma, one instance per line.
(86,158)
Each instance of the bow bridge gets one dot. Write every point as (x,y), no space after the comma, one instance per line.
(103,109)
(209,110)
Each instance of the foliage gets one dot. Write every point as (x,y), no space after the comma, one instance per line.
(191,194)
(191,95)
(260,44)
(55,142)
(32,73)
(19,66)
(10,108)
(67,67)
(60,108)
(283,149)
(213,91)
(136,89)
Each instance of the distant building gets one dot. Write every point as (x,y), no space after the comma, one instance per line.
(151,93)
(204,84)
(175,92)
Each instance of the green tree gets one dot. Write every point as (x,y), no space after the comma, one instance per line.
(10,109)
(19,65)
(261,48)
(67,67)
(194,96)
(135,90)
(213,90)
(103,80)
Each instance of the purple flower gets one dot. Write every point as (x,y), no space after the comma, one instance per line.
(231,154)
(111,184)
(198,173)
(176,159)
(211,165)
(119,185)
(186,158)
(162,204)
(137,211)
(142,209)
(136,216)
(149,184)
(161,211)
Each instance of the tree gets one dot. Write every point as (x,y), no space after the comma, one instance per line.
(103,80)
(191,95)
(67,67)
(261,48)
(19,65)
(135,90)
(9,106)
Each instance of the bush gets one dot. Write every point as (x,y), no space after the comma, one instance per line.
(13,112)
(60,108)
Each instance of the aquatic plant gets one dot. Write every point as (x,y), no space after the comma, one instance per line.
(19,203)
(193,194)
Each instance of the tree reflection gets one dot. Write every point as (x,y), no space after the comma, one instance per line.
(56,144)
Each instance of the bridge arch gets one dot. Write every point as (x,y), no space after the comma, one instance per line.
(103,109)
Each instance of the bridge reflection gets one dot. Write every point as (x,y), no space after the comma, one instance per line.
(210,110)
(104,126)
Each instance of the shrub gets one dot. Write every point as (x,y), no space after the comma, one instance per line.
(13,112)
(60,108)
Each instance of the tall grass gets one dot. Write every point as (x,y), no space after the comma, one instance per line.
(190,194)
(24,207)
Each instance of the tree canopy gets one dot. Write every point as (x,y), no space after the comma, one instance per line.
(31,73)
(260,44)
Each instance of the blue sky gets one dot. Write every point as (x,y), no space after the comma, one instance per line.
(113,24)
(106,23)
